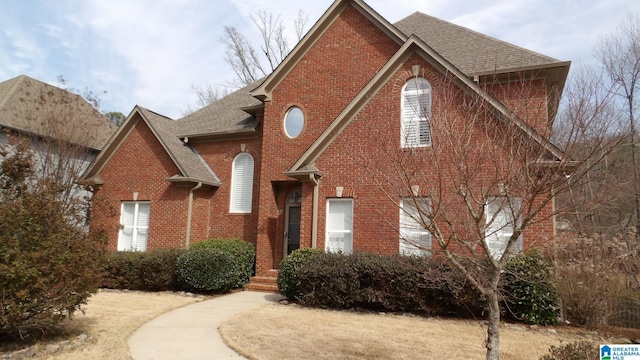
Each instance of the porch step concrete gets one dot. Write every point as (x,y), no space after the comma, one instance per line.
(266,283)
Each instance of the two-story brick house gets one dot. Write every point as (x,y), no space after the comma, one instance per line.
(273,163)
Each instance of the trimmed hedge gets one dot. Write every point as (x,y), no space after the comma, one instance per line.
(216,265)
(154,270)
(384,282)
(243,251)
(287,279)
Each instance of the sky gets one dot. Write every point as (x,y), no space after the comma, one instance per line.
(153,52)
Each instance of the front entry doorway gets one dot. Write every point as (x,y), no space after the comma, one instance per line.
(292,221)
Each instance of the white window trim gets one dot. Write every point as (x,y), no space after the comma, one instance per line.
(497,235)
(415,239)
(415,121)
(241,202)
(136,228)
(346,249)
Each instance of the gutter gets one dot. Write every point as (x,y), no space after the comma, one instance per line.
(187,242)
(314,215)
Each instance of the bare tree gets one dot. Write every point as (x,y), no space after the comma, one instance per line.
(593,203)
(206,95)
(620,56)
(485,177)
(250,63)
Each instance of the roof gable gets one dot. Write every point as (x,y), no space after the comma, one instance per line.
(306,163)
(34,107)
(263,91)
(192,167)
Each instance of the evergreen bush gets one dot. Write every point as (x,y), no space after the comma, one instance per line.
(287,279)
(243,252)
(530,291)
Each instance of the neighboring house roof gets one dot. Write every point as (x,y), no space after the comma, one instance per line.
(226,116)
(34,107)
(192,167)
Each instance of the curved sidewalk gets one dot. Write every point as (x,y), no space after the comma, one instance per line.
(191,332)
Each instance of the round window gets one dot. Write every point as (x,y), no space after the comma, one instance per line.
(293,122)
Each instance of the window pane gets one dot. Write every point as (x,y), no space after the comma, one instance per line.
(134,221)
(501,219)
(242,184)
(293,122)
(415,239)
(339,225)
(416,111)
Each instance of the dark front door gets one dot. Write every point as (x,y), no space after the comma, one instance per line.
(292,236)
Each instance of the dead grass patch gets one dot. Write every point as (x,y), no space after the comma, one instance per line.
(292,332)
(110,318)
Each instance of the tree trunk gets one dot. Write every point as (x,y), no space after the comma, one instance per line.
(493,331)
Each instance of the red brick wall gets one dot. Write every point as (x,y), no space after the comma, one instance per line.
(141,165)
(222,223)
(341,62)
(368,151)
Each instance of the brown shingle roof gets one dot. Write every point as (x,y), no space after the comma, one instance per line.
(37,108)
(190,163)
(223,116)
(471,52)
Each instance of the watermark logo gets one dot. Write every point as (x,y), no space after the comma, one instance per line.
(619,352)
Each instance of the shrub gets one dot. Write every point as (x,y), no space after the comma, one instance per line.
(383,282)
(243,252)
(592,274)
(49,266)
(287,279)
(579,350)
(208,269)
(531,294)
(154,270)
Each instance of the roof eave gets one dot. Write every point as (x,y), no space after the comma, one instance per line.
(178,179)
(251,133)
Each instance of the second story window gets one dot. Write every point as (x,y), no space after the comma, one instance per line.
(416,112)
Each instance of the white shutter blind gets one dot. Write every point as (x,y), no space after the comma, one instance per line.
(500,223)
(134,223)
(416,110)
(142,234)
(242,184)
(125,238)
(339,225)
(414,238)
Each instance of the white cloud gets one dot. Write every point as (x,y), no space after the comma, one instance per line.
(151,52)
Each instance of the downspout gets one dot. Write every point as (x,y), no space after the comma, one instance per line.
(190,215)
(314,215)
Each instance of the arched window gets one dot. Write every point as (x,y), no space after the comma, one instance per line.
(242,184)
(416,111)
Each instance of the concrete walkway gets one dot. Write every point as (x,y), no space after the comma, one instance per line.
(191,332)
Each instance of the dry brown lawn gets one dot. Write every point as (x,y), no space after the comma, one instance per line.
(110,318)
(291,332)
